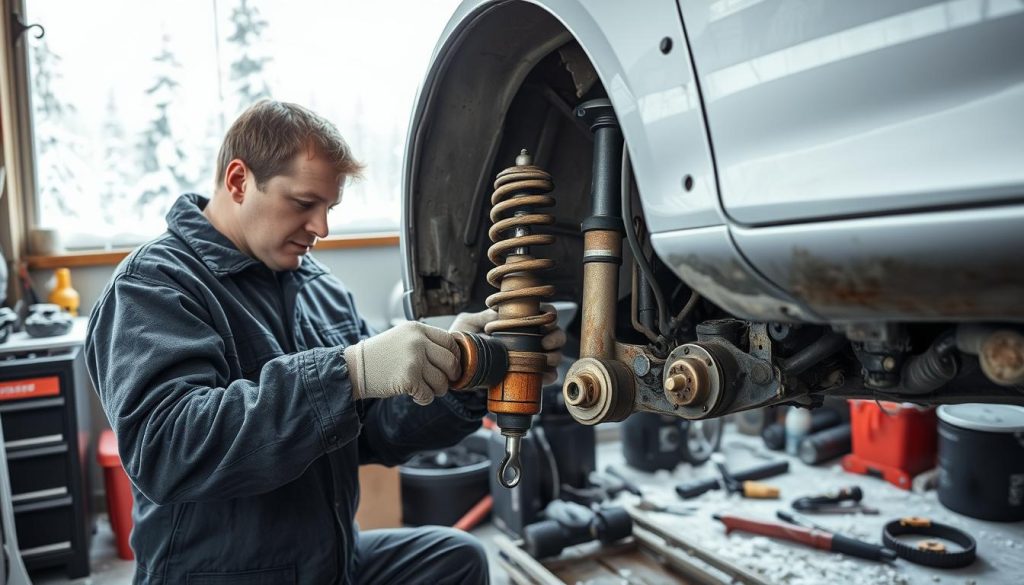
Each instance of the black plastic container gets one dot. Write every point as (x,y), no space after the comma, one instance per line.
(981,460)
(653,441)
(439,487)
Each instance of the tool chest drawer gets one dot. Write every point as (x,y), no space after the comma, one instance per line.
(44,406)
(32,423)
(44,528)
(38,473)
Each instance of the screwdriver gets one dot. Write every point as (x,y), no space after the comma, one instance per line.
(852,546)
(820,539)
(747,489)
(694,488)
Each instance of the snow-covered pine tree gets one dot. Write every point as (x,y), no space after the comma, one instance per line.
(166,169)
(60,168)
(118,174)
(247,69)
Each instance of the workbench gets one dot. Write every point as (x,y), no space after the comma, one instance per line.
(1000,545)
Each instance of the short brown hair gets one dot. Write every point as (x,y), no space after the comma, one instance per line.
(269,134)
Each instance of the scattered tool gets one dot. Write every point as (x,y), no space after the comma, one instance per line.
(748,488)
(825,445)
(602,486)
(844,500)
(649,506)
(569,524)
(930,553)
(865,550)
(627,484)
(819,539)
(476,514)
(692,489)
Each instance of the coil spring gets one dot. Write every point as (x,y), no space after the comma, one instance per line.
(518,191)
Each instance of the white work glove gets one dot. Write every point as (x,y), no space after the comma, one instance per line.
(552,342)
(411,358)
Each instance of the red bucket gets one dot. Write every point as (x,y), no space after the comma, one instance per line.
(119,493)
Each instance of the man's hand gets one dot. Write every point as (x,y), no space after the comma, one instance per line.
(411,358)
(552,342)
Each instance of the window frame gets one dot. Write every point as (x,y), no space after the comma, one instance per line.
(16,208)
(21,212)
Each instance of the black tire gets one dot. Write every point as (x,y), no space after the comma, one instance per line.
(703,437)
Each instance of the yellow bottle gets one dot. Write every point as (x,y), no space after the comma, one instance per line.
(63,294)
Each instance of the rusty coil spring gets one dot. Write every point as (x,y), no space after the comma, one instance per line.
(518,191)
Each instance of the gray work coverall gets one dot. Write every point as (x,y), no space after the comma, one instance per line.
(228,391)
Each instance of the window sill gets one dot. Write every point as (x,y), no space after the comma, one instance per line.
(113,257)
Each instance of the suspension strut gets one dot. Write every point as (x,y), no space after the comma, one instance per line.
(518,192)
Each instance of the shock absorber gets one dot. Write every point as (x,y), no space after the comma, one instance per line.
(598,388)
(518,192)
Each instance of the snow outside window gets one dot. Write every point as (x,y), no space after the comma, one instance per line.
(130,99)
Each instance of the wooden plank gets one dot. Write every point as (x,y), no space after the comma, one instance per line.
(650,557)
(77,259)
(513,555)
(515,575)
(341,242)
(113,257)
(677,541)
(618,564)
(698,572)
(590,572)
(589,550)
(638,568)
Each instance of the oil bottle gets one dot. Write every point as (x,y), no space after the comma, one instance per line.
(63,294)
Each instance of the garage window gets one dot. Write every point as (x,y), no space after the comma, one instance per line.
(129,101)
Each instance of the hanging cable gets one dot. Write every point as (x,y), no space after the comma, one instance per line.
(650,335)
(634,244)
(685,311)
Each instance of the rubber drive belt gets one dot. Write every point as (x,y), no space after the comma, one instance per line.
(929,553)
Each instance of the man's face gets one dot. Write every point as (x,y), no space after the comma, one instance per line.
(282,221)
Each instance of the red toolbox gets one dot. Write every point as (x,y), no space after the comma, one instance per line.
(892,441)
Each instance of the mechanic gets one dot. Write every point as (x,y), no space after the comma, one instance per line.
(245,390)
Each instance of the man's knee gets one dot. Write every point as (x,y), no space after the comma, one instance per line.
(463,552)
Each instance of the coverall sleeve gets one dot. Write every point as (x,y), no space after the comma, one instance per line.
(187,431)
(397,428)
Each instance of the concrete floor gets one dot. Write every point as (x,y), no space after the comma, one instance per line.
(1000,546)
(1000,549)
(107,569)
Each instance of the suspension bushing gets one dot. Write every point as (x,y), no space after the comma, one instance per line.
(598,390)
(693,381)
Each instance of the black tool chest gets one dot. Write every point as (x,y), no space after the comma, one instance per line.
(46,435)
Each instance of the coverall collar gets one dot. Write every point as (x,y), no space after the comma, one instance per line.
(186,220)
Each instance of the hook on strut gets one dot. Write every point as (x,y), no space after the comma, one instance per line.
(511,462)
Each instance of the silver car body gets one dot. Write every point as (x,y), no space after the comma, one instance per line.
(825,161)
